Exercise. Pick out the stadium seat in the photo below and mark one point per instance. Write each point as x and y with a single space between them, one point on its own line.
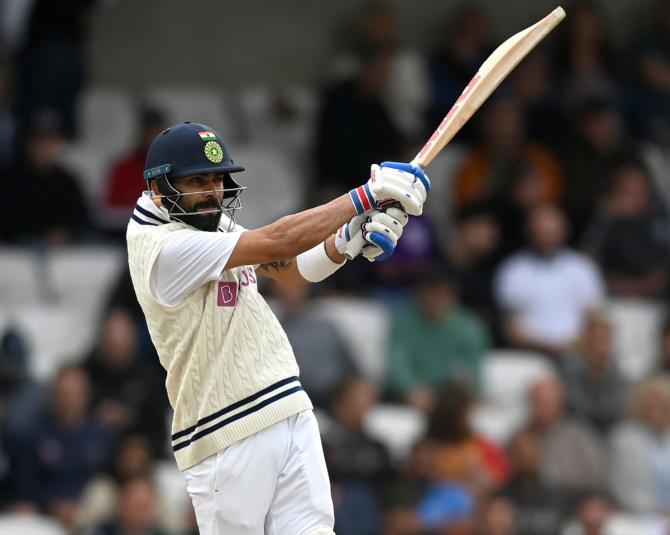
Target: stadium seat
172 485
627 524
56 335
398 427
23 524
21 281
506 377
108 124
292 131
273 185
84 275
90 169
348 315
636 326
196 104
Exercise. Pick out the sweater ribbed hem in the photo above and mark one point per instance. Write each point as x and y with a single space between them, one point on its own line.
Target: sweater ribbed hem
220 439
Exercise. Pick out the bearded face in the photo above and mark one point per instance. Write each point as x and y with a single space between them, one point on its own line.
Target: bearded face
207 220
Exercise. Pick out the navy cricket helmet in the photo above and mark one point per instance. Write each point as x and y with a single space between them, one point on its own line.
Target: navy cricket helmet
188 149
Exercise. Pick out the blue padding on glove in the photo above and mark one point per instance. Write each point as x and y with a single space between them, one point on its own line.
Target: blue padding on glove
409 168
386 245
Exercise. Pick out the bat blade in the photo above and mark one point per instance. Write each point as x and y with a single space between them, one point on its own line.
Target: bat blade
491 73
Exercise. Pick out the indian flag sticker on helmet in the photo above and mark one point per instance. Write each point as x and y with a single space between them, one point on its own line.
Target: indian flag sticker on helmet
207 136
214 152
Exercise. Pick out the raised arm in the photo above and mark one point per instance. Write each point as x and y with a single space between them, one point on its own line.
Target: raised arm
276 247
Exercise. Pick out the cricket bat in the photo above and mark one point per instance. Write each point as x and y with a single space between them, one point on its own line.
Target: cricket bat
493 71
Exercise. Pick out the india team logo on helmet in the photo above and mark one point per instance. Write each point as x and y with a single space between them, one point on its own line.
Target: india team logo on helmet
213 152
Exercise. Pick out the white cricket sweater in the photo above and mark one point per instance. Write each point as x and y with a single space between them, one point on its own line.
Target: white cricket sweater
231 371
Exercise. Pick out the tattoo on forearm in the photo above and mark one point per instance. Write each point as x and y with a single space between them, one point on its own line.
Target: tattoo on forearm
278 265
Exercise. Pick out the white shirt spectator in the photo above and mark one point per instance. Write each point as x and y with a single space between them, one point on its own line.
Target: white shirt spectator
549 296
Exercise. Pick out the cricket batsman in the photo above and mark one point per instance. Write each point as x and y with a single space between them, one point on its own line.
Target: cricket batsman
243 431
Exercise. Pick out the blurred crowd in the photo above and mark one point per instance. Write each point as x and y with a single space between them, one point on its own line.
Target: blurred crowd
552 204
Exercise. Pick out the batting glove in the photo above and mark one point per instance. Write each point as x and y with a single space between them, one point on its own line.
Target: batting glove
392 182
375 234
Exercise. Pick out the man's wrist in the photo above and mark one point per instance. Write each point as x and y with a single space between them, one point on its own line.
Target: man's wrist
331 251
316 265
362 199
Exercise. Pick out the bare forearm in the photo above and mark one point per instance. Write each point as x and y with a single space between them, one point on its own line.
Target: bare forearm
302 231
295 234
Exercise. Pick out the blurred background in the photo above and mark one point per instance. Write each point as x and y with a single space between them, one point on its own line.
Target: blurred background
515 375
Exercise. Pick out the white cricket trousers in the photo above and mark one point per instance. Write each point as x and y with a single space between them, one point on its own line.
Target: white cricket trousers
272 483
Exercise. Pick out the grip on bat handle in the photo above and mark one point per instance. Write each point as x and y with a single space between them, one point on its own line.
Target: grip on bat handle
358 239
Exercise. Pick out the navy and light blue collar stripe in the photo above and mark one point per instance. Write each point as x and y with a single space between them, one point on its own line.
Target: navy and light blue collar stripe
142 221
250 405
149 214
146 213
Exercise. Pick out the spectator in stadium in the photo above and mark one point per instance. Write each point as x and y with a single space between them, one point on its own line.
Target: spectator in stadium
421 504
133 458
322 354
535 83
591 513
434 340
354 121
586 58
472 250
497 516
62 450
595 388
124 181
489 168
136 511
512 206
125 391
598 145
462 455
359 466
454 60
407 91
419 247
21 397
50 59
547 290
630 237
639 461
39 182
540 508
573 457
651 64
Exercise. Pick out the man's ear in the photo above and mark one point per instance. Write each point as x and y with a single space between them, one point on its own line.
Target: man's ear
157 193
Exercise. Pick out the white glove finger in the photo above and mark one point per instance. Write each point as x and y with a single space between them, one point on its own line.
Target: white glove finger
408 199
354 246
391 222
408 180
417 190
398 214
370 252
375 226
383 238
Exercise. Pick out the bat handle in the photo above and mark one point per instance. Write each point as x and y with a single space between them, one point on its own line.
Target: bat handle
417 162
